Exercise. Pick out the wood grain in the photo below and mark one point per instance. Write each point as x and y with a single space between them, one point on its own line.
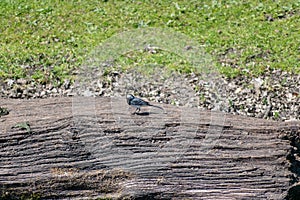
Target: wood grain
94 147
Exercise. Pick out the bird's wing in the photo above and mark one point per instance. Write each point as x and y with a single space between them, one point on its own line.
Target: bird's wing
139 102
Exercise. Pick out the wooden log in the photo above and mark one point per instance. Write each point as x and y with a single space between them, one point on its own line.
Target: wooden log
95 148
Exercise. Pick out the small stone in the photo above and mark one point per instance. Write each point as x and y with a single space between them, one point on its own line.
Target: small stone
238 90
22 81
54 90
25 92
10 82
43 93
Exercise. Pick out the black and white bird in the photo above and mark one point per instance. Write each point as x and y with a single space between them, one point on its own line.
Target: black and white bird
138 103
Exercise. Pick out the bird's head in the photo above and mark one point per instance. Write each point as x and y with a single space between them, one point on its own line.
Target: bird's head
129 97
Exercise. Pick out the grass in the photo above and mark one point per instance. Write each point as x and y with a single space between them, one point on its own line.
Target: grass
46 41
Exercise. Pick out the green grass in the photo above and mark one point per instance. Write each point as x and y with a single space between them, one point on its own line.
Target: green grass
47 40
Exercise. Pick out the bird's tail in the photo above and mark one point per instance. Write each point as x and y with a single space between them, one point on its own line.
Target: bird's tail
156 106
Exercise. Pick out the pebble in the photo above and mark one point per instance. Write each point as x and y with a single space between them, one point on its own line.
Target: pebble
43 93
54 90
21 81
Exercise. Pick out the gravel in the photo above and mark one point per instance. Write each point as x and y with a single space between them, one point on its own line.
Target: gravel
273 95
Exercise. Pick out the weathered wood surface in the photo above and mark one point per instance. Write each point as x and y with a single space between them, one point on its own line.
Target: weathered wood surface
88 148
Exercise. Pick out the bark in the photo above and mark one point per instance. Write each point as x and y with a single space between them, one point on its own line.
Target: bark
95 148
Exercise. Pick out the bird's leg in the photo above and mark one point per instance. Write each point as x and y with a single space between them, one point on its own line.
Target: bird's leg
136 110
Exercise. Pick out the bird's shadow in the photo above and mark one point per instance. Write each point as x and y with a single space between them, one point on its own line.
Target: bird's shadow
145 113
142 113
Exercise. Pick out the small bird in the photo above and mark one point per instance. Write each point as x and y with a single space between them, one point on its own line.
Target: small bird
138 103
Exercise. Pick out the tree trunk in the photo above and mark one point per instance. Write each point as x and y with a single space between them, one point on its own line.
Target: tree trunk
95 148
